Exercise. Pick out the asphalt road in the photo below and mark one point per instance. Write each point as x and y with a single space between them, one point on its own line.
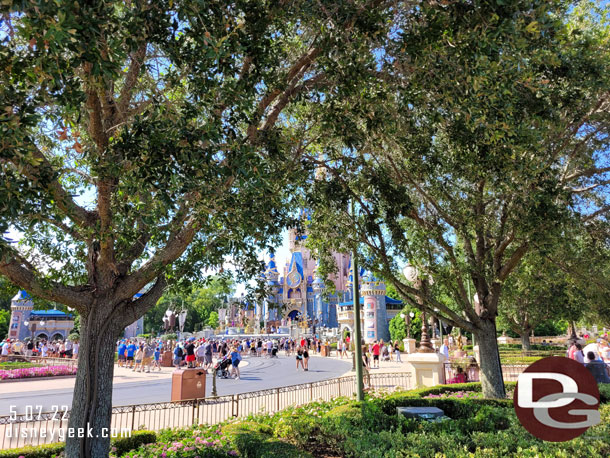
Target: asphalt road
259 374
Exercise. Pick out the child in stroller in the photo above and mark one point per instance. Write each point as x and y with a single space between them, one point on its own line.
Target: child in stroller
222 367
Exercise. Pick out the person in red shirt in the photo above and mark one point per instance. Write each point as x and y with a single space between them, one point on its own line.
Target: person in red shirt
376 351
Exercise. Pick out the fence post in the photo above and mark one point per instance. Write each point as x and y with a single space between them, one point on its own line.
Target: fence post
278 399
236 405
310 392
195 403
133 416
339 381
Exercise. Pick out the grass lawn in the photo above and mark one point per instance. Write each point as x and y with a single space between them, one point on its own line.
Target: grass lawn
17 365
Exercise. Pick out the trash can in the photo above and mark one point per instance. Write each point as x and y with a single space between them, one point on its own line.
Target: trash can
325 350
188 384
167 359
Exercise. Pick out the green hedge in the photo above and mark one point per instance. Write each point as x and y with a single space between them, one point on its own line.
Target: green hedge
40 451
121 444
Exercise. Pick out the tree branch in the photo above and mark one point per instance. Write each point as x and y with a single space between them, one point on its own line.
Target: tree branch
23 274
44 173
137 60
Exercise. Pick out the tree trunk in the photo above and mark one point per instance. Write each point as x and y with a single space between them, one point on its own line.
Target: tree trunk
525 341
92 401
492 382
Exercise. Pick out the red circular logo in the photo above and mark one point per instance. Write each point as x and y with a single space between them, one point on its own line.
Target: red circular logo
556 399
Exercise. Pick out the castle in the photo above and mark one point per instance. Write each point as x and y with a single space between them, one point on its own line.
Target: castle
298 294
38 324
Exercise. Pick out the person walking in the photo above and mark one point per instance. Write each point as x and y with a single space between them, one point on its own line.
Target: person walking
157 357
138 358
235 360
299 357
344 349
305 359
178 353
75 349
121 353
376 351
130 352
397 352
190 353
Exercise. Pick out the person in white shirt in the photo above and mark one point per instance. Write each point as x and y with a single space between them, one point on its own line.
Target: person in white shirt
44 349
444 350
5 348
69 347
75 349
199 353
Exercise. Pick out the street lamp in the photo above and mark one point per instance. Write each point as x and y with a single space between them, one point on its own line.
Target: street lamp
411 273
408 317
440 326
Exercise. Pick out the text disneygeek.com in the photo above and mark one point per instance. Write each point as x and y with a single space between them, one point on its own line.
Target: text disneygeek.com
24 425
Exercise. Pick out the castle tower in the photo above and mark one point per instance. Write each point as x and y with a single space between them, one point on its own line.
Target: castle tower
269 311
373 292
21 309
320 307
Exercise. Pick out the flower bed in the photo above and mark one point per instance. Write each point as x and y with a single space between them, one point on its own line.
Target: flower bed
40 371
456 395
202 441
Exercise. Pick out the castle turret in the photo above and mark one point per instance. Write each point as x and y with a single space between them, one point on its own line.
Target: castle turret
375 317
21 309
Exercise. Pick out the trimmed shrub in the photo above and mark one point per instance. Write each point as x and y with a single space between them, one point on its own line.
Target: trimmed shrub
138 438
121 445
40 451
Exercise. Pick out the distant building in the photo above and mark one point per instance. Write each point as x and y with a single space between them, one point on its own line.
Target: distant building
134 329
137 327
40 324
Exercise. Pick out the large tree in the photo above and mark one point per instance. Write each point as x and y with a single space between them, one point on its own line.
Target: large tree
142 142
487 131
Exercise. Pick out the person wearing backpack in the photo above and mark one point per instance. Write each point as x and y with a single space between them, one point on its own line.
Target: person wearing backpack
178 353
147 358
235 360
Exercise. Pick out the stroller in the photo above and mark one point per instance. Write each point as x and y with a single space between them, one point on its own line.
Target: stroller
274 352
222 367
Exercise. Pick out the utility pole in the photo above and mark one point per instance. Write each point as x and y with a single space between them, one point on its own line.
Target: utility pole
357 330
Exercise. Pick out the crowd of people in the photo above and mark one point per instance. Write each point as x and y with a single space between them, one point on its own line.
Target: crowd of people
595 356
142 355
41 347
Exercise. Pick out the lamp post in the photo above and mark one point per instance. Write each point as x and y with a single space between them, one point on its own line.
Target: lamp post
440 327
31 327
412 274
407 317
357 331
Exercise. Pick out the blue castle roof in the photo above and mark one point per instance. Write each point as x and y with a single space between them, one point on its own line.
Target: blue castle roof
22 295
49 313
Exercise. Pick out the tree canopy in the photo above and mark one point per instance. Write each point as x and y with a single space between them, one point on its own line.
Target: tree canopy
146 142
484 138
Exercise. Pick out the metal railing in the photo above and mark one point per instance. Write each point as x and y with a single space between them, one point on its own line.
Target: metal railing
510 372
25 429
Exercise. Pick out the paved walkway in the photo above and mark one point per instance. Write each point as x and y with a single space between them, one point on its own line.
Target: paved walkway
385 367
141 388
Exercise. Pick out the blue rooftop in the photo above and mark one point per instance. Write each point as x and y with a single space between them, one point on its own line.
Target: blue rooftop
49 313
